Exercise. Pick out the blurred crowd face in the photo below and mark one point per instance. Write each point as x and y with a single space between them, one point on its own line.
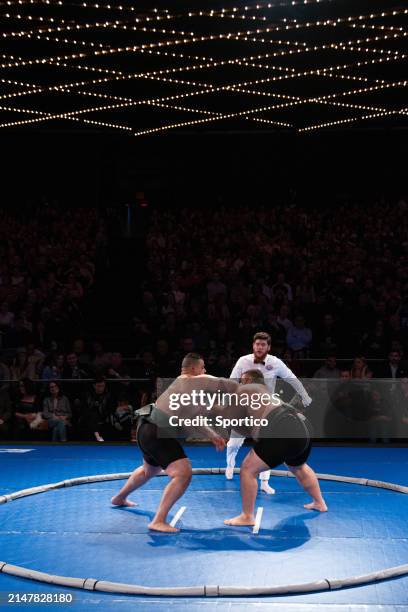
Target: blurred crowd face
100 387
331 363
394 358
116 360
187 345
72 360
54 389
359 363
79 346
147 358
162 348
97 348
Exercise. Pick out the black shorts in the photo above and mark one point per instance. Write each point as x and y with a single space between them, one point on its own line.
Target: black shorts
157 451
289 443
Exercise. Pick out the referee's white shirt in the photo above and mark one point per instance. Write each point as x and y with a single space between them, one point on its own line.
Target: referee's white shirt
271 368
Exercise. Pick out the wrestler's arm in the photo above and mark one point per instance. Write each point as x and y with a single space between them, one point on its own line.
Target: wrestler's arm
206 431
229 408
228 387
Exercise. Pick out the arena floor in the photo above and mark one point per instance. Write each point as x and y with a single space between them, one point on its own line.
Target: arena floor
76 532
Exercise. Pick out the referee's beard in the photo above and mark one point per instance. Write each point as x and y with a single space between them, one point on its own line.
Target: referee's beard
260 355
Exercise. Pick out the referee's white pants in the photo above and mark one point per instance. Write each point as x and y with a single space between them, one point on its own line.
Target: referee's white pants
233 446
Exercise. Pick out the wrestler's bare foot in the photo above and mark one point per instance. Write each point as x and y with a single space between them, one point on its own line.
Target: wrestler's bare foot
120 501
242 519
163 527
316 506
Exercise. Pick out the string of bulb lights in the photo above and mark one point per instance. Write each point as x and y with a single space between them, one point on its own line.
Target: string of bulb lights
58 29
240 35
158 102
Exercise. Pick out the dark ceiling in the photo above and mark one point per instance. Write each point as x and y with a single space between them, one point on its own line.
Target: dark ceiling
196 67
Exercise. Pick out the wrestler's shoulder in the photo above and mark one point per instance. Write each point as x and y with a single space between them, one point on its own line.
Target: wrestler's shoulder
206 376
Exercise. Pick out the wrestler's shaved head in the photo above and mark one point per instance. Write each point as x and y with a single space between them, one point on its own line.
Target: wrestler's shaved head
191 359
193 363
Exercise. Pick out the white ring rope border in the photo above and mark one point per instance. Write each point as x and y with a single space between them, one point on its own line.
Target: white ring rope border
92 584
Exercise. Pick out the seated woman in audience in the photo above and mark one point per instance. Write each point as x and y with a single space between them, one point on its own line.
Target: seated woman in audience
57 411
26 409
360 369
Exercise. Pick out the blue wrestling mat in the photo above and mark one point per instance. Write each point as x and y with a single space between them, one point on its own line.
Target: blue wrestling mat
76 532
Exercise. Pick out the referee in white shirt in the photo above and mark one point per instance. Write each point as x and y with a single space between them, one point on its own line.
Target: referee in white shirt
271 368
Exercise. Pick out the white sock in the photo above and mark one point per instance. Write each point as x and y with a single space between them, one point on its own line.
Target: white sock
266 488
232 452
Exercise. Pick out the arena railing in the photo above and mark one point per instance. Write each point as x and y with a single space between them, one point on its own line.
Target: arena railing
342 409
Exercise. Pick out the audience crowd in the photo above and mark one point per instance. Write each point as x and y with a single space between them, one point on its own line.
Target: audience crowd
47 269
330 287
320 282
70 397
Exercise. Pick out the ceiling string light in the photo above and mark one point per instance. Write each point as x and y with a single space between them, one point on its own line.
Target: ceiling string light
211 63
288 24
337 46
236 87
205 120
319 126
81 120
220 116
297 23
242 89
117 24
342 46
157 17
49 116
115 75
329 99
59 31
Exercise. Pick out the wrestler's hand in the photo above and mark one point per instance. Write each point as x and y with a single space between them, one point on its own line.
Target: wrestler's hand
219 443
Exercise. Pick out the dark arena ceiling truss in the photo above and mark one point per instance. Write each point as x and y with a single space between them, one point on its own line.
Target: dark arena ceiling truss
167 67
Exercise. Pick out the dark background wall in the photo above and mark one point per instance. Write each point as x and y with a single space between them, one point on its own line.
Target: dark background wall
100 168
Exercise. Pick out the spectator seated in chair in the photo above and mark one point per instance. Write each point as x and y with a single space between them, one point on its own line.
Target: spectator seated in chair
57 412
121 419
27 411
96 420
